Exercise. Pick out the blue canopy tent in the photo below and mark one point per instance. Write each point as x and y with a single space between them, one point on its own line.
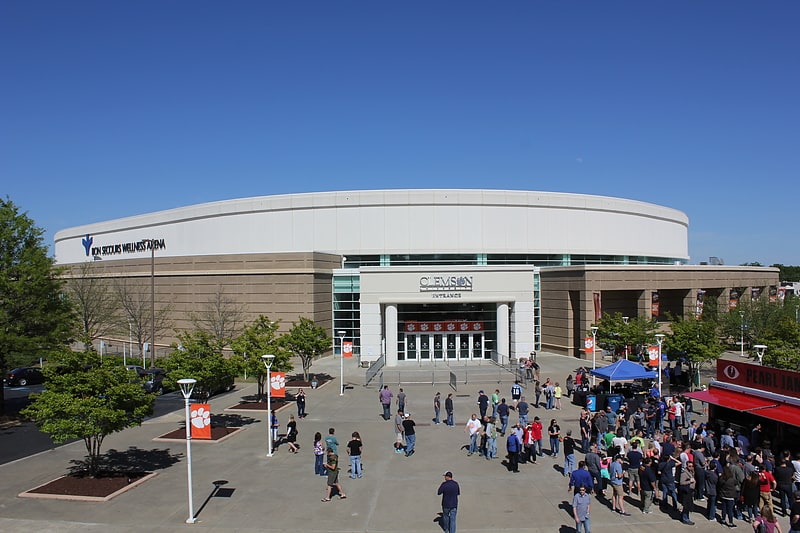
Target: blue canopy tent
623 370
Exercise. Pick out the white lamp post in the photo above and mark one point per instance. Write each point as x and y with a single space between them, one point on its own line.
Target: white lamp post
187 386
760 348
659 340
741 344
268 359
594 351
341 334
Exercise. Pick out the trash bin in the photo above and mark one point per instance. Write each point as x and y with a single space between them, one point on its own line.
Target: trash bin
614 401
591 402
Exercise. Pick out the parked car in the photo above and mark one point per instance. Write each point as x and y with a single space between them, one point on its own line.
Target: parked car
140 371
20 377
220 384
154 380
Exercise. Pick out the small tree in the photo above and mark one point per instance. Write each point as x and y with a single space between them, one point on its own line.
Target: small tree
260 338
221 317
613 333
198 357
95 303
307 341
134 298
34 316
696 341
87 400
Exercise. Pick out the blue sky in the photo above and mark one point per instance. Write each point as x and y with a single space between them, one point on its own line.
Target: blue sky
111 109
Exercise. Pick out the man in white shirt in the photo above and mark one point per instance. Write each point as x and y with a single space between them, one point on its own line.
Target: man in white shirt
473 428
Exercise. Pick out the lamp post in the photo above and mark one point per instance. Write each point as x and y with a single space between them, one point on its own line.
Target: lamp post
341 334
594 351
151 243
187 386
268 359
659 340
741 344
760 348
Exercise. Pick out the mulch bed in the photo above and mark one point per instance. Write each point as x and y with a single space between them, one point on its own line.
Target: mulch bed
83 486
217 433
278 403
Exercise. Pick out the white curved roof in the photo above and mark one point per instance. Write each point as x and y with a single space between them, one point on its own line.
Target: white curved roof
416 221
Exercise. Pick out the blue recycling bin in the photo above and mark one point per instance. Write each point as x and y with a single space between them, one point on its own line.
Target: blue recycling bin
614 401
591 402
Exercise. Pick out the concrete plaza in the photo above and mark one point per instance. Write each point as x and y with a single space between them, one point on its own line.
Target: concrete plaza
281 493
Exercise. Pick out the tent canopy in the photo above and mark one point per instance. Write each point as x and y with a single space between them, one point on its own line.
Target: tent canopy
623 370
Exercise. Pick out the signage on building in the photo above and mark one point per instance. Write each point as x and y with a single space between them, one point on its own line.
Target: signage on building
454 326
445 284
755 376
121 248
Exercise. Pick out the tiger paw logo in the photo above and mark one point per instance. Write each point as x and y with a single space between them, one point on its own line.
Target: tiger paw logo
277 382
201 418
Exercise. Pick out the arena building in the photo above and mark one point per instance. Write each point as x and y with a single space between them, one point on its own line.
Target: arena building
418 276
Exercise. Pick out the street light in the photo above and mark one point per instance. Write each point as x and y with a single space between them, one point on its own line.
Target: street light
187 386
268 359
741 344
760 348
341 334
659 340
594 351
151 243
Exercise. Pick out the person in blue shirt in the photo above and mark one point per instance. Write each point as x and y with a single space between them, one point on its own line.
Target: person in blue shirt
513 447
580 478
450 491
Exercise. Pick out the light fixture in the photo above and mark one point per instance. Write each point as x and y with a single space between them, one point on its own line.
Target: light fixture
187 386
268 360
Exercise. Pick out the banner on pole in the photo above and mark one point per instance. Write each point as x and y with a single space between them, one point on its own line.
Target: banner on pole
277 382
347 349
200 417
588 344
652 355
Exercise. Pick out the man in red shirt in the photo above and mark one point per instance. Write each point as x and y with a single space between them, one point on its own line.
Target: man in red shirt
536 434
766 484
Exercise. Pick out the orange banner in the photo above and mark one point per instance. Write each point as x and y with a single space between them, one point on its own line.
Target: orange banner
277 383
588 344
200 416
652 354
347 349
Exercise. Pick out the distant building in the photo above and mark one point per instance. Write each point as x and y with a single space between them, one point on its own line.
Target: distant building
421 275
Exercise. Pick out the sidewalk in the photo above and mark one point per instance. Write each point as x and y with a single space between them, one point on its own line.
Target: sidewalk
282 494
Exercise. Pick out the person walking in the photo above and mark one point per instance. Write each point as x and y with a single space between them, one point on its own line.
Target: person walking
410 434
274 425
399 435
332 465
648 482
615 471
516 392
536 432
557 393
491 439
513 447
448 408
401 400
449 491
495 402
768 520
437 407
354 451
300 399
554 431
502 412
472 428
291 434
385 397
686 491
522 410
581 504
483 403
569 453
319 455
331 441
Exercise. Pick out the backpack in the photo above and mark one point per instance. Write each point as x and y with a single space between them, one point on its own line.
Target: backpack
761 528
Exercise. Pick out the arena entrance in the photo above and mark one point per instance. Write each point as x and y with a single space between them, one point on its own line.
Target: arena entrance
461 332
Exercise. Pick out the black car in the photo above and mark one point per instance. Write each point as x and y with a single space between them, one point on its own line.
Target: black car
20 377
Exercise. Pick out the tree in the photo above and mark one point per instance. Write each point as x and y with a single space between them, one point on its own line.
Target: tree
788 273
34 316
95 303
198 357
614 334
307 341
87 400
134 299
260 338
695 341
221 317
